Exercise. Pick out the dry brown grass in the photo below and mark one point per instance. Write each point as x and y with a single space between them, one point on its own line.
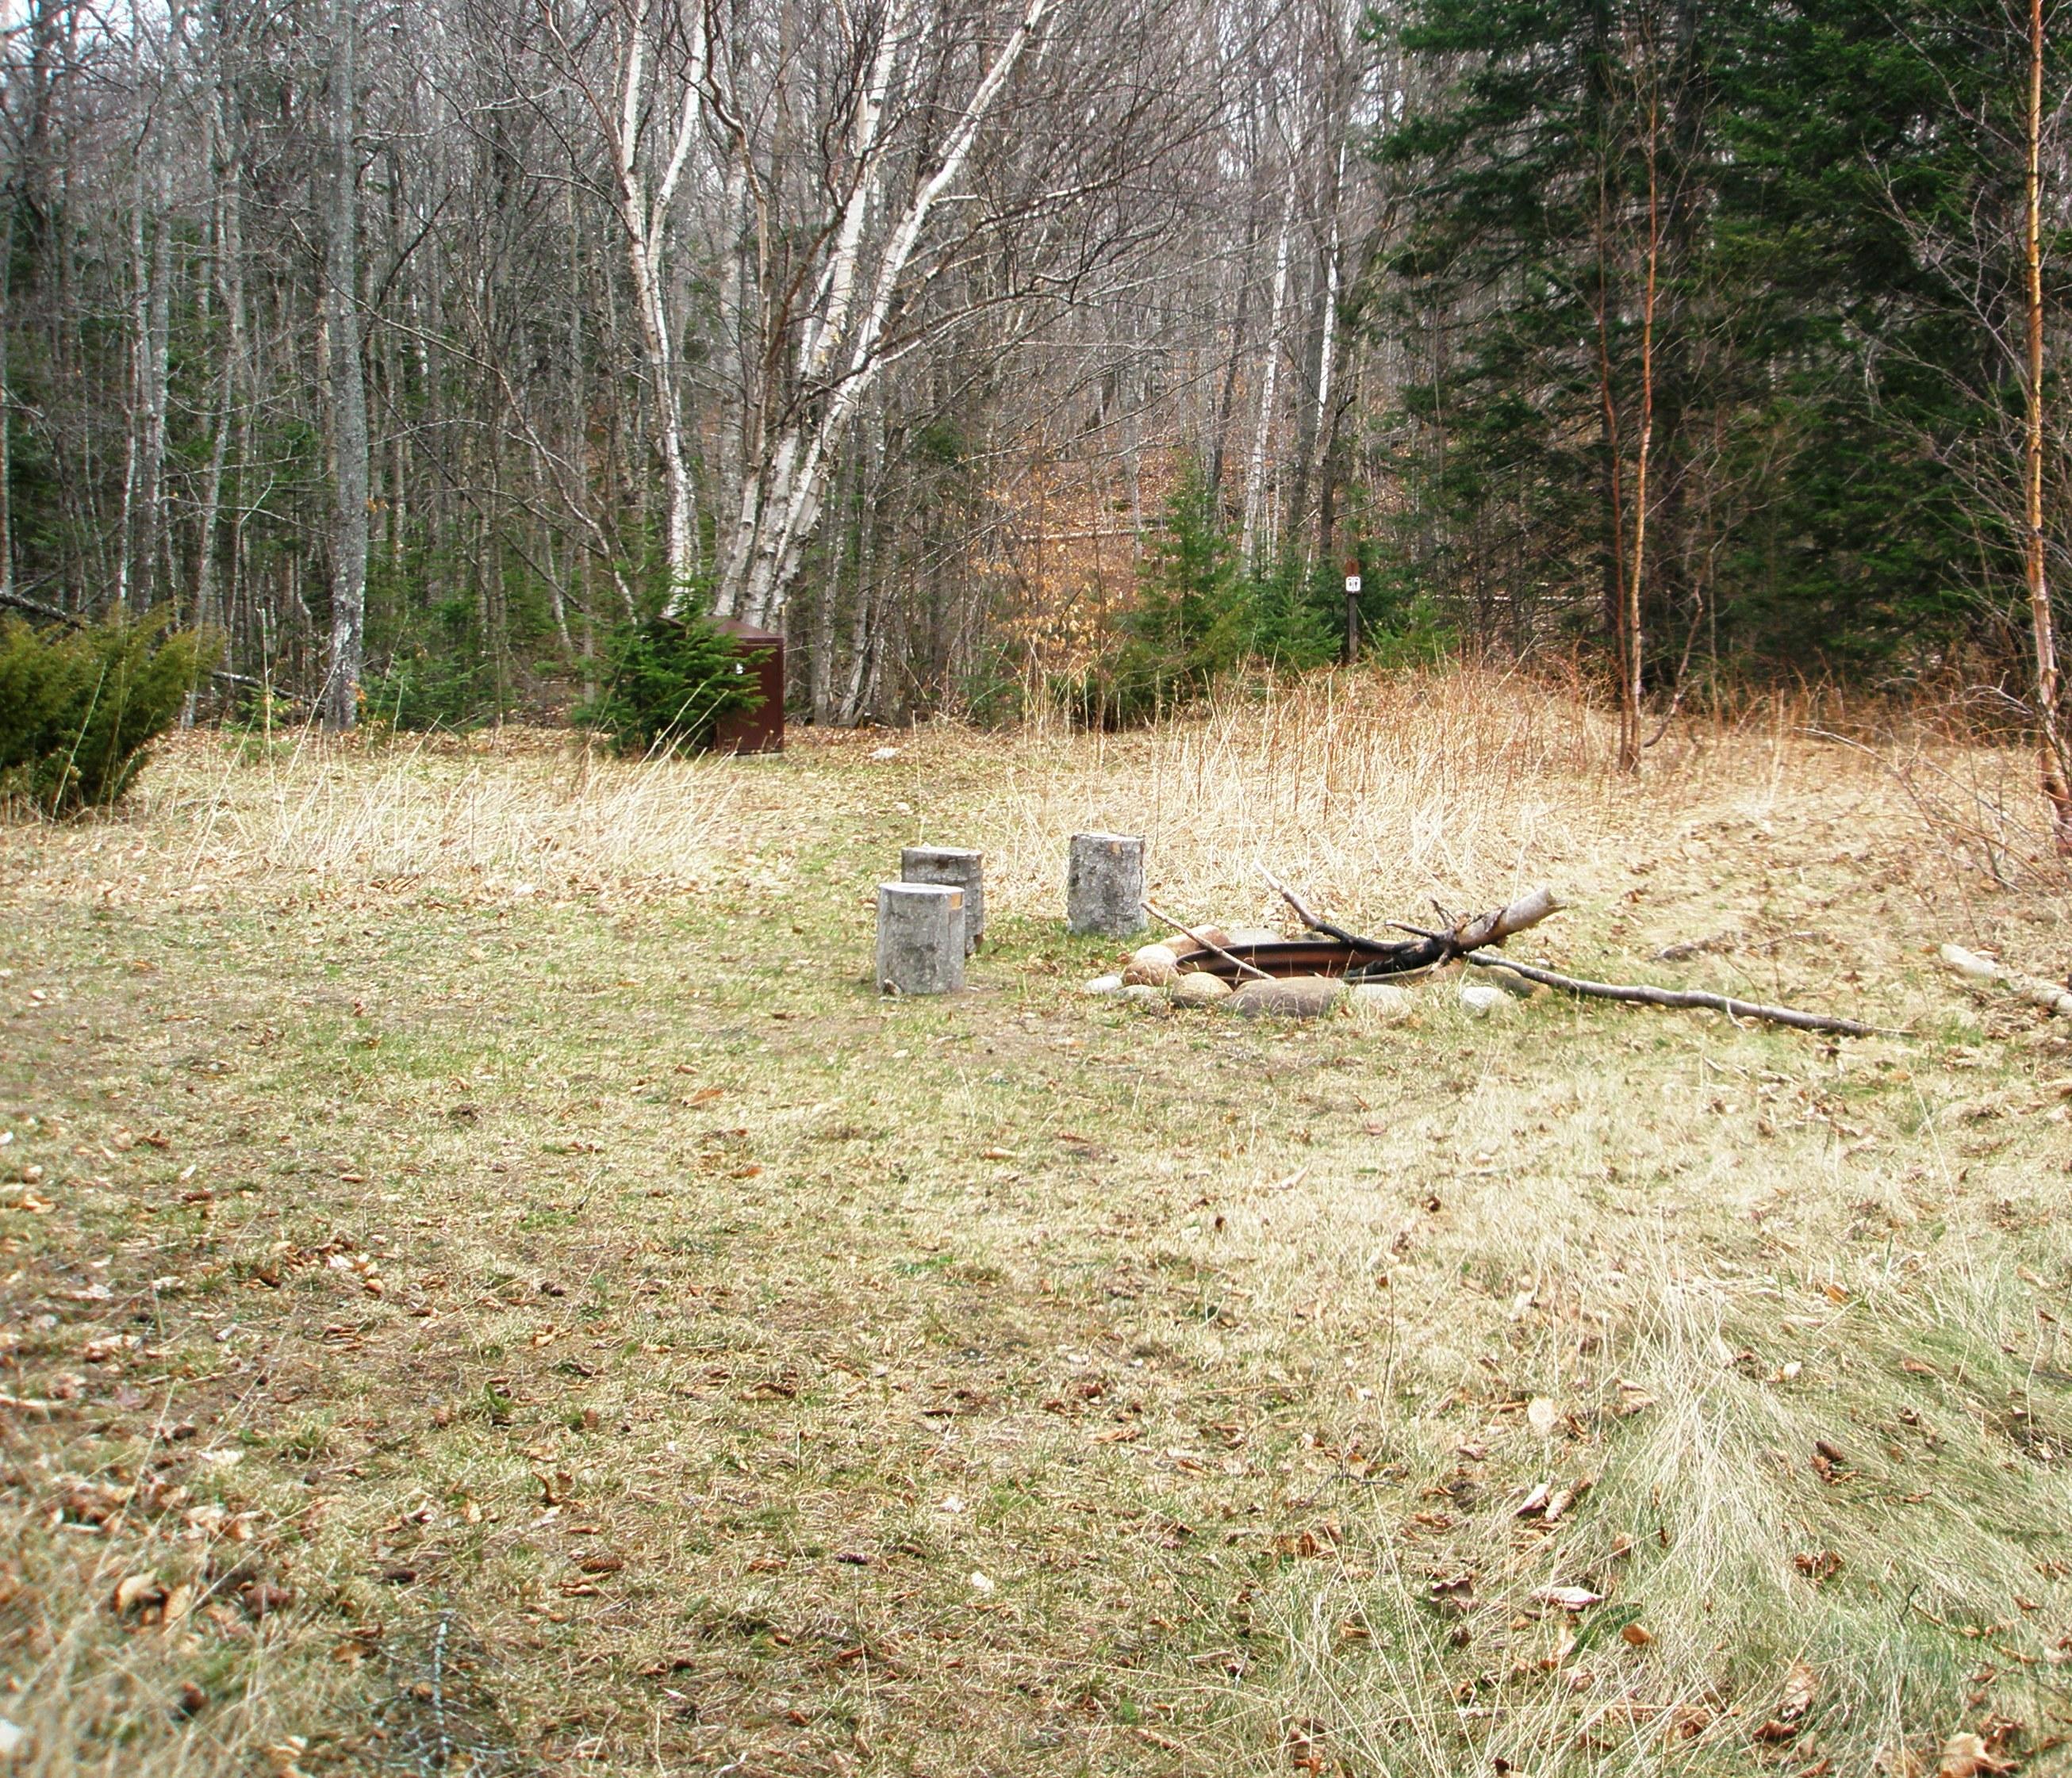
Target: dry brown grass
641 1350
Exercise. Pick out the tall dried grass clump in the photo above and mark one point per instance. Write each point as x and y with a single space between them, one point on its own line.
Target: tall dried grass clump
1372 791
533 820
511 817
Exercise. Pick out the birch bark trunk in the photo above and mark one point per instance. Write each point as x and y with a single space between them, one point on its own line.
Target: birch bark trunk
842 348
1254 479
644 204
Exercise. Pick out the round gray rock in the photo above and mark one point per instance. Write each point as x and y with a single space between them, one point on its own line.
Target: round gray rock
1295 997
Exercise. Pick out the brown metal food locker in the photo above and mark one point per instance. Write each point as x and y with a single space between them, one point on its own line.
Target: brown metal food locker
760 730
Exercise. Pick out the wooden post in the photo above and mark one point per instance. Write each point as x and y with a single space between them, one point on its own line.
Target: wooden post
920 938
1105 885
958 868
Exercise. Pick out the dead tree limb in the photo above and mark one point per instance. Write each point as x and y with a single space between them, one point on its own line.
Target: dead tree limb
21 601
1378 958
1645 994
1310 922
1243 967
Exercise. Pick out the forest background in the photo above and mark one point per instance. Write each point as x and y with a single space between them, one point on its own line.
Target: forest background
1072 350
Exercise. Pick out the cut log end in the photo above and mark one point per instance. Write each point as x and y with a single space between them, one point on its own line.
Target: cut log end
1105 885
956 868
920 938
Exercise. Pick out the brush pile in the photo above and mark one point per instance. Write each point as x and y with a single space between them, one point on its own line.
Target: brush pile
1325 967
1263 972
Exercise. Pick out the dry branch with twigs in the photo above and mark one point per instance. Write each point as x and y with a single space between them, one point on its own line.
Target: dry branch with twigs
1468 941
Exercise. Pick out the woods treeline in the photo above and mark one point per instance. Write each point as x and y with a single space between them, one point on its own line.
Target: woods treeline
1002 348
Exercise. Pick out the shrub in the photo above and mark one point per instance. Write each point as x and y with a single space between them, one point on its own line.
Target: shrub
79 709
424 690
668 683
1203 613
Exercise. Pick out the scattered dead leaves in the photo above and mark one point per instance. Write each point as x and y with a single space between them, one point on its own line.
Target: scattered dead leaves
1802 1685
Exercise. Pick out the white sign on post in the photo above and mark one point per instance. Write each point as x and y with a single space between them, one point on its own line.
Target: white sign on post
1352 583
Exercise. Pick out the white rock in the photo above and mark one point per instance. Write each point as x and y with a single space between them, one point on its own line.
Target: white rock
1153 965
1143 994
1382 1003
14 1738
1969 962
1198 987
1103 984
1479 1000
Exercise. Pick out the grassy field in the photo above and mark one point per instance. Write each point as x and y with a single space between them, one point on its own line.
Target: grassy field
489 1288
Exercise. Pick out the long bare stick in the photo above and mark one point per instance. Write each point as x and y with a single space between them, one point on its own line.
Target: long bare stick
1643 994
1188 932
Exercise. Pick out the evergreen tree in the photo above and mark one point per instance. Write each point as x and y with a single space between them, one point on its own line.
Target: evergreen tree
1810 375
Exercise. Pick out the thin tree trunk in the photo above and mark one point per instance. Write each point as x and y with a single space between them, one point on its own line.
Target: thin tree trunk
154 548
348 388
1630 634
6 398
1324 433
230 290
1229 396
140 328
1254 480
2053 741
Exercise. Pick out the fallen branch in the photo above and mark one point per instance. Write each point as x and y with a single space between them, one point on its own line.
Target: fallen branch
1493 929
1238 962
2052 996
1311 922
1645 994
50 614
267 686
1432 948
1469 939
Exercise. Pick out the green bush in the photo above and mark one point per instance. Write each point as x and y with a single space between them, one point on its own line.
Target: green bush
1204 615
424 690
78 708
668 683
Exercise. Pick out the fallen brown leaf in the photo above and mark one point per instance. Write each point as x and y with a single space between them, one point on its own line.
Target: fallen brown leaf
1968 1756
134 1592
1570 1599
1801 1685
